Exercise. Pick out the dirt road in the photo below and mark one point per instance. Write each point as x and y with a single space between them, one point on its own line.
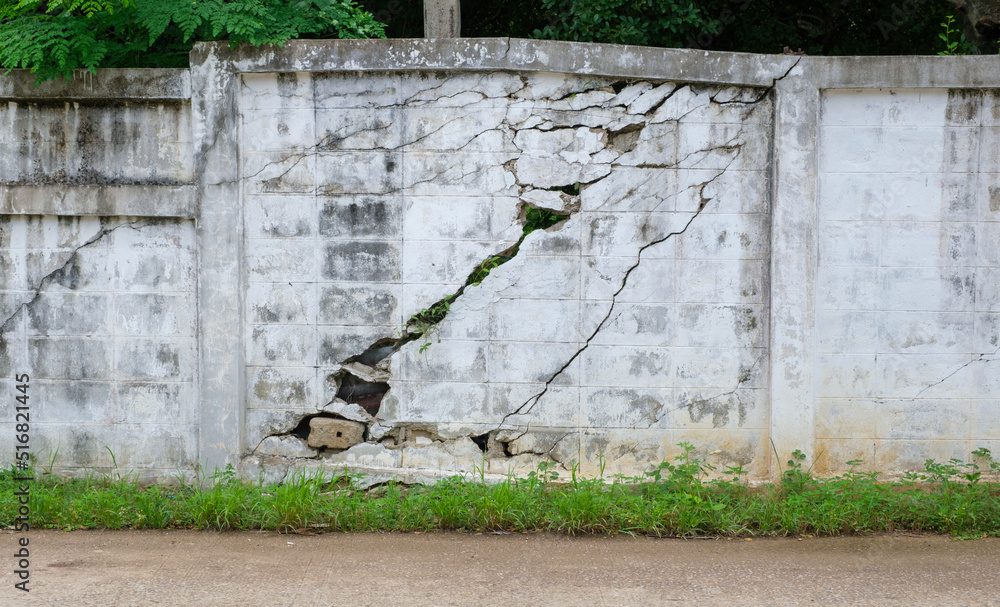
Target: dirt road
189 568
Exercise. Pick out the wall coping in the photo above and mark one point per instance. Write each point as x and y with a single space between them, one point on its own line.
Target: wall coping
159 84
512 54
501 54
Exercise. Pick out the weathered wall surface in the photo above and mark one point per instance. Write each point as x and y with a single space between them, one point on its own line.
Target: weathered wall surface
279 259
907 300
637 322
98 282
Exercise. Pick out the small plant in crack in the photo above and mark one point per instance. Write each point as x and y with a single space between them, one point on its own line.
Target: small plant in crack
483 269
424 323
541 219
534 219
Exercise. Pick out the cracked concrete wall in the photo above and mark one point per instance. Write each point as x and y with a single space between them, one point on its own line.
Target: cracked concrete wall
639 322
325 256
98 272
97 310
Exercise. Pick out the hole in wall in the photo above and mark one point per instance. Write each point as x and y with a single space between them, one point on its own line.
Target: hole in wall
377 352
366 394
482 441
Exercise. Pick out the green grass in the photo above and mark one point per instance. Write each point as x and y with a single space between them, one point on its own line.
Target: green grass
674 499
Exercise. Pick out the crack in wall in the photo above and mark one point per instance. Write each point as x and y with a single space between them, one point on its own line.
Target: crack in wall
505 126
730 146
65 267
363 378
356 383
699 407
984 357
534 399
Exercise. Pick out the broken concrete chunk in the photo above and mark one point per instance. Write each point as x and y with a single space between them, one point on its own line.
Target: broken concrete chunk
347 410
285 446
650 98
335 433
367 373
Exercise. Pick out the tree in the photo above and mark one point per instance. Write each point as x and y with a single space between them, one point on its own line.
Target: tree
817 27
982 23
56 37
642 22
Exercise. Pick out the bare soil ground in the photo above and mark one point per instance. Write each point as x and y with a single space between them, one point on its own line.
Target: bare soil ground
123 568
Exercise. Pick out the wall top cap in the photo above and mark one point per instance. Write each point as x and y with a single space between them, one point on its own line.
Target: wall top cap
499 54
622 61
160 84
517 55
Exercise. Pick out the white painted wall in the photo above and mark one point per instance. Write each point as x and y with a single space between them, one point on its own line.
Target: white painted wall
906 298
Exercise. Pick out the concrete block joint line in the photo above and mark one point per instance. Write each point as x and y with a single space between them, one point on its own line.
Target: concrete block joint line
416 258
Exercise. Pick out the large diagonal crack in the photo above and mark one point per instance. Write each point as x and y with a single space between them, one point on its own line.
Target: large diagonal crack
728 147
363 378
361 369
526 407
48 278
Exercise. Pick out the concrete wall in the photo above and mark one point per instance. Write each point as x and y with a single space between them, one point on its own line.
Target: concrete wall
98 281
906 286
223 265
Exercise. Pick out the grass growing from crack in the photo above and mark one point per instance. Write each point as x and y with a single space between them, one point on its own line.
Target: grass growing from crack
675 498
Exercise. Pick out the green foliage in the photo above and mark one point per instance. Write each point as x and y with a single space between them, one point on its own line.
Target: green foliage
57 37
483 269
643 22
534 219
954 39
492 19
675 498
817 27
424 323
542 219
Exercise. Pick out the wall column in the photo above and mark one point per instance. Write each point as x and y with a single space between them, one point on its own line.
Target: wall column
214 85
793 266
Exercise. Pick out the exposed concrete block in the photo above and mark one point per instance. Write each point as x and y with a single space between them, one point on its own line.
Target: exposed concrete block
360 217
335 433
272 387
347 303
285 446
373 261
